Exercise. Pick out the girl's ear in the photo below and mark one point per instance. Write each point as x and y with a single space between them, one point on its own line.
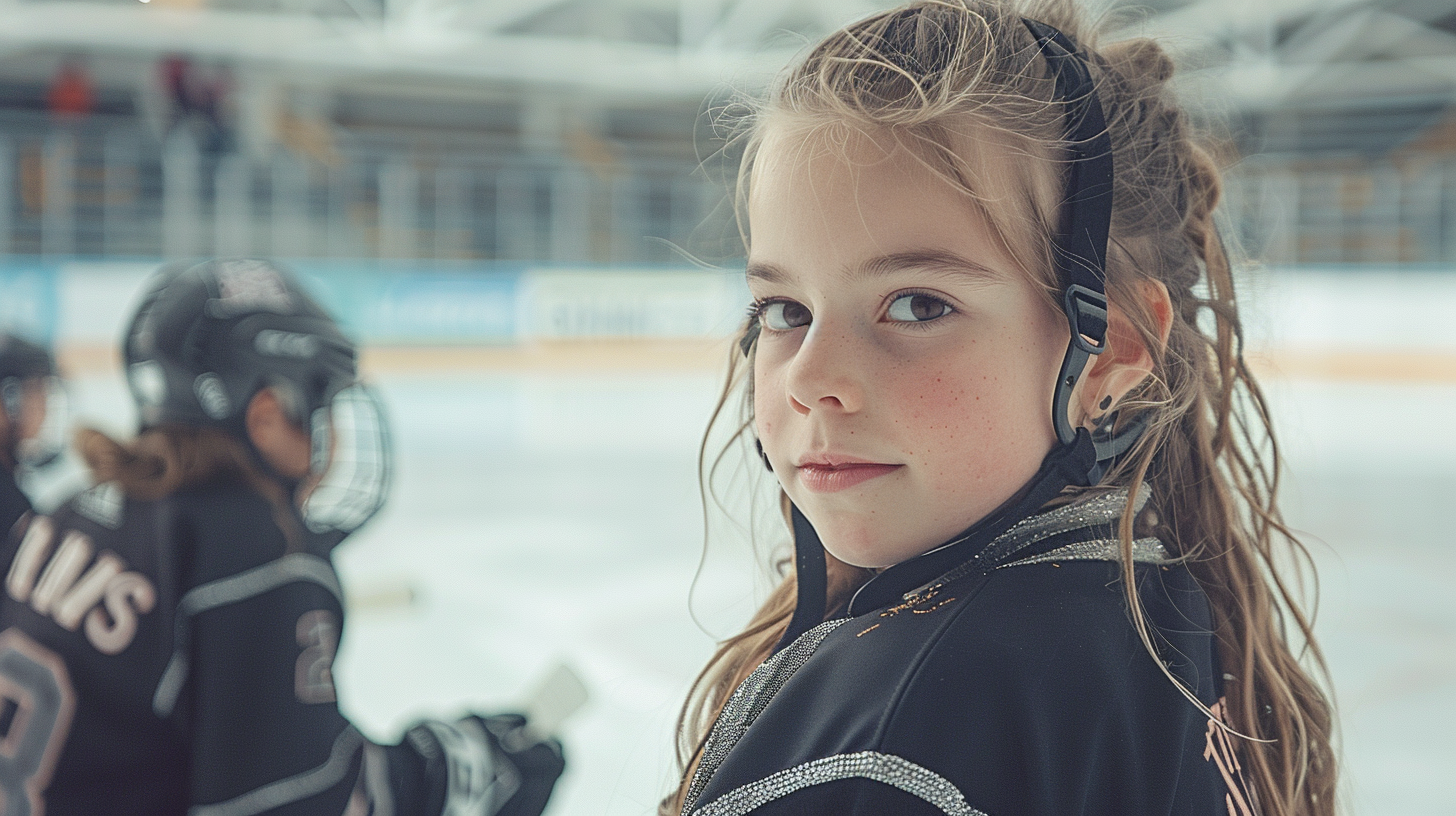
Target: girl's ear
1126 362
283 445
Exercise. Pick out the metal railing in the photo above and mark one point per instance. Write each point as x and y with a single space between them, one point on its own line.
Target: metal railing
105 188
110 190
1345 210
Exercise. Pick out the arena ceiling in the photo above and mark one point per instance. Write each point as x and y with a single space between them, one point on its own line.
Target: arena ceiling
1253 55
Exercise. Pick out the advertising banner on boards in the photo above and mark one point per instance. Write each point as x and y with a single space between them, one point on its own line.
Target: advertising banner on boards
30 303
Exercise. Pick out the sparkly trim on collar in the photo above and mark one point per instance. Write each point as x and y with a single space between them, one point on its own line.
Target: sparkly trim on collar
1099 511
1144 551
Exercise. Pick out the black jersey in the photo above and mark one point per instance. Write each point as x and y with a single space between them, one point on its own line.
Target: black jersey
175 656
1016 687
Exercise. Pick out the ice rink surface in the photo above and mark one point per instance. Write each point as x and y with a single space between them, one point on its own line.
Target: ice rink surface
542 517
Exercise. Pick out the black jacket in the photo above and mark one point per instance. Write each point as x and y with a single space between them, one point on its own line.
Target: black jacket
1016 688
176 657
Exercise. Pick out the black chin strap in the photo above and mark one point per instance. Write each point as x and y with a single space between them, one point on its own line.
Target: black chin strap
1082 456
811 576
1081 245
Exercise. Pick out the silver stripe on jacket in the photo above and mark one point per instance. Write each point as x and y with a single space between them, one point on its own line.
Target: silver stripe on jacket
898 772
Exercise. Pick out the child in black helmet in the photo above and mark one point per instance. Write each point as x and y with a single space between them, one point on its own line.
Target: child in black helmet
167 637
992 364
32 421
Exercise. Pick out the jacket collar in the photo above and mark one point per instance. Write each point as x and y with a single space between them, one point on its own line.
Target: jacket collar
1081 520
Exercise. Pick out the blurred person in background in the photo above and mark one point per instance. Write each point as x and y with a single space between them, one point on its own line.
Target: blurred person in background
32 420
169 634
72 95
198 98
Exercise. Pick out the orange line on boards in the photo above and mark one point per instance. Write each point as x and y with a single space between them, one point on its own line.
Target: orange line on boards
610 354
1357 366
707 355
557 355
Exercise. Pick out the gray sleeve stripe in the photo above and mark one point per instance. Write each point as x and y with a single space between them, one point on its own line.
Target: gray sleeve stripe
294 788
889 769
234 588
230 590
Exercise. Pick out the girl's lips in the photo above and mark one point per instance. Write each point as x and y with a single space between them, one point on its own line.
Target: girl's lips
823 478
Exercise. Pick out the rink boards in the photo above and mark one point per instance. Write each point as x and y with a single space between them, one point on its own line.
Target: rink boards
1331 323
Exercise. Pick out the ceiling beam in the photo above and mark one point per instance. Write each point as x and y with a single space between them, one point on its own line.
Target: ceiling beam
1215 19
493 17
1268 86
350 48
744 23
423 47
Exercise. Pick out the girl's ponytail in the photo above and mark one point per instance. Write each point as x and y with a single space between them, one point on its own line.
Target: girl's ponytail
169 458
1211 457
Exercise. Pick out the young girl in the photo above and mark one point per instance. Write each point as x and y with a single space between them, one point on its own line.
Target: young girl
993 363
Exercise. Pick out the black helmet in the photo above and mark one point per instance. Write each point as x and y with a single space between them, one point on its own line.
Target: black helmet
22 359
207 337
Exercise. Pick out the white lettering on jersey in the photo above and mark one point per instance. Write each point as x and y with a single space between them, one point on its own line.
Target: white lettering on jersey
39 702
128 596
88 591
61 573
313 674
34 549
106 596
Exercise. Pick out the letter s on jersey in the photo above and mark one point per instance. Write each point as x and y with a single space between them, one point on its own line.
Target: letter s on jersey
128 596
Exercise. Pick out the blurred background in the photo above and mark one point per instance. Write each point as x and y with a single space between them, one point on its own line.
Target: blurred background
518 208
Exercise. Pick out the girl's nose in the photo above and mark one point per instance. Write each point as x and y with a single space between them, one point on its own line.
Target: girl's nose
823 374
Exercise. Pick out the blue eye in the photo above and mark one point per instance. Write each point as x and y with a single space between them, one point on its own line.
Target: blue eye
913 308
783 315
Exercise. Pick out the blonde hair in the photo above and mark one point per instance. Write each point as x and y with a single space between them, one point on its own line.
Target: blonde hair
168 458
931 73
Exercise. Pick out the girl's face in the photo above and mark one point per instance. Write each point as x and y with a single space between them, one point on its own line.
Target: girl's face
904 374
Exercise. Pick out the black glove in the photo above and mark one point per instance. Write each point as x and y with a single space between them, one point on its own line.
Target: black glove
538 763
491 766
